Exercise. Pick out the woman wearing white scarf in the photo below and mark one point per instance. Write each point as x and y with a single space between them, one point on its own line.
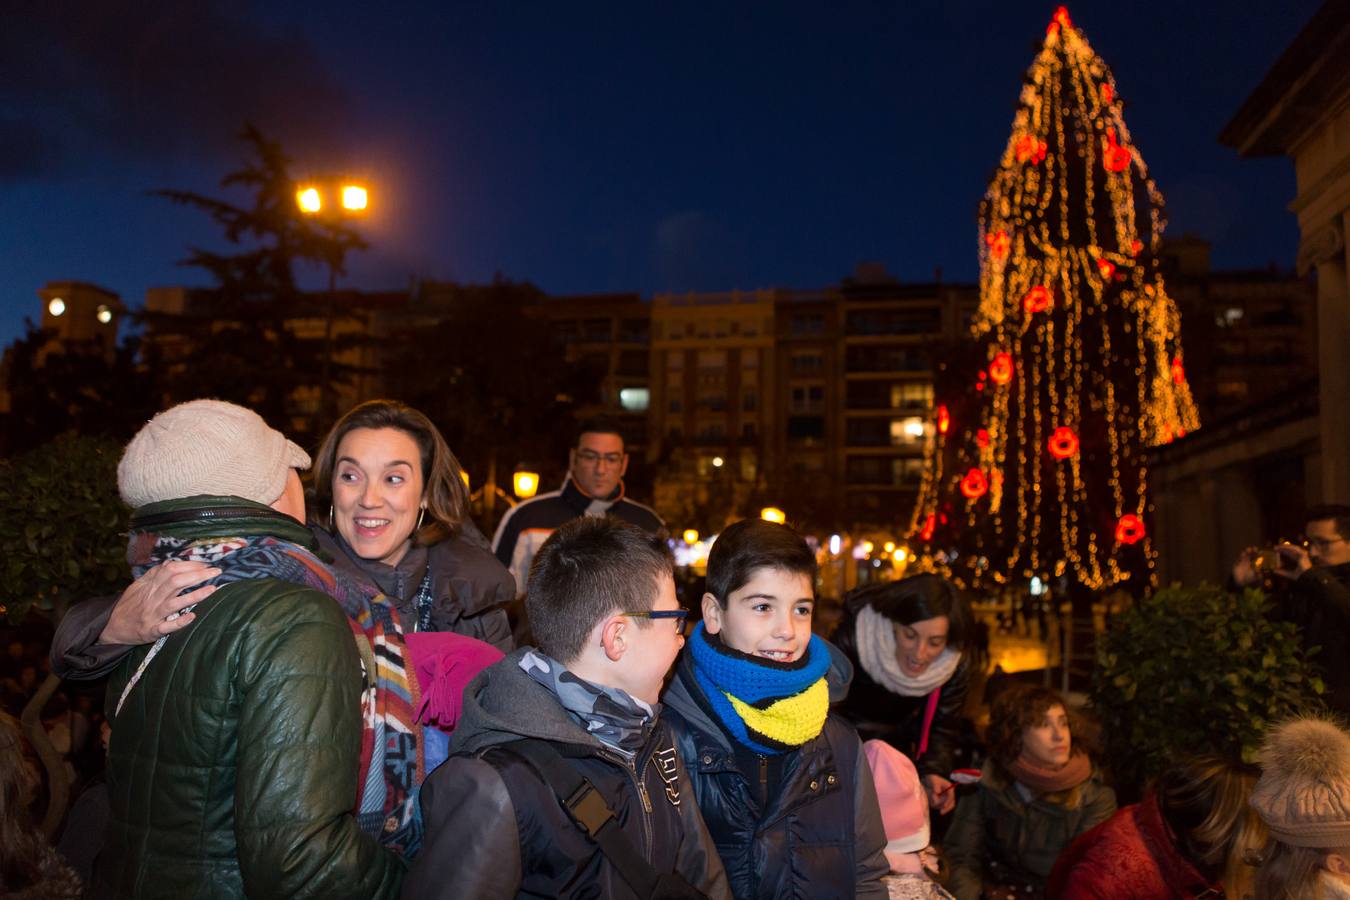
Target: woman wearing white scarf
907 641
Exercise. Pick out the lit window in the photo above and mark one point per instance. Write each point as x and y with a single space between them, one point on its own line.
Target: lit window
634 399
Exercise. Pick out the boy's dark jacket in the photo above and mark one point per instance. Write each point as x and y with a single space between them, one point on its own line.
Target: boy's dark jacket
821 836
495 829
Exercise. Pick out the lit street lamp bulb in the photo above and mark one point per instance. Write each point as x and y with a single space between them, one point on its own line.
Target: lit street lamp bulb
309 200
690 536
773 514
354 197
104 314
717 462
525 484
57 306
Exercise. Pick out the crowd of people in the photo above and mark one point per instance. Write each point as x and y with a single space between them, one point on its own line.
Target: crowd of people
327 697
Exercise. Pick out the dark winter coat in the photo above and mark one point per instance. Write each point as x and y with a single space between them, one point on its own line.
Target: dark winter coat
495 829
999 836
878 713
469 588
232 767
1131 854
818 835
1319 603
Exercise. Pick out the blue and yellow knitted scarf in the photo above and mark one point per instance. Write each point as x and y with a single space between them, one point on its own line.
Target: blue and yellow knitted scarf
768 706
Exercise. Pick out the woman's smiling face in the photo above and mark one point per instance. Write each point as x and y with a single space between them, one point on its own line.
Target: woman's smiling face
377 492
919 643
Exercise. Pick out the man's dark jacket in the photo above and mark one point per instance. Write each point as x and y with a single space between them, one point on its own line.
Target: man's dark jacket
495 829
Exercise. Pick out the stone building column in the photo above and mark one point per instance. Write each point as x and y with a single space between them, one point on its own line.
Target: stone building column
1326 250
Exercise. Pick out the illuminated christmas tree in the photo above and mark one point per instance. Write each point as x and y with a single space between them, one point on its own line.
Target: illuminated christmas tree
1036 466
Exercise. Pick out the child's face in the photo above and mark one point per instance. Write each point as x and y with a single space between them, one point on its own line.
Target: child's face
651 646
769 616
1048 743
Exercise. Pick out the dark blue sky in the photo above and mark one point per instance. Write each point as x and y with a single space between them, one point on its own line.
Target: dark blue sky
598 147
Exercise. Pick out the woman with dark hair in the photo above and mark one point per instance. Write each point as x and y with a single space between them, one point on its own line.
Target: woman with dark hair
390 506
908 643
1039 791
1192 836
29 868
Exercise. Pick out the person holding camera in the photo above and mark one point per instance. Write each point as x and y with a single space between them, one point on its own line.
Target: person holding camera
1317 598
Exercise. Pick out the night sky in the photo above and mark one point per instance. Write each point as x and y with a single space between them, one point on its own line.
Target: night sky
598 147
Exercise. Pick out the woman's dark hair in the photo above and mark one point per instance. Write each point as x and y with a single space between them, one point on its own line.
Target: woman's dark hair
443 487
20 847
917 599
1203 800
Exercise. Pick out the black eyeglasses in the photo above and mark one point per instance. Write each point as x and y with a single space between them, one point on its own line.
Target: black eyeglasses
681 617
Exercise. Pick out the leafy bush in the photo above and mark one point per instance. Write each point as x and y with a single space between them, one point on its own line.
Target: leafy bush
1195 671
60 526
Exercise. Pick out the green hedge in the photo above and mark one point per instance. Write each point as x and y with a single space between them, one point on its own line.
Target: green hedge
61 527
1196 670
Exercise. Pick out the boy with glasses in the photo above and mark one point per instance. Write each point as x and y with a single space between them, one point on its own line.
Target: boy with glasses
563 781
782 782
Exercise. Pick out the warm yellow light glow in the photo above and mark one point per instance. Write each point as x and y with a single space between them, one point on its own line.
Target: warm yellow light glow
104 314
773 514
354 197
464 474
691 536
309 200
868 547
525 484
717 462
888 546
900 555
57 306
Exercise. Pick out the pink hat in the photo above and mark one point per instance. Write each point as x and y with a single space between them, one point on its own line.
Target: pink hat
904 806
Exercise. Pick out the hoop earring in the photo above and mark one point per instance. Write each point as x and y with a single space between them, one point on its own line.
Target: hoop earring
331 518
420 516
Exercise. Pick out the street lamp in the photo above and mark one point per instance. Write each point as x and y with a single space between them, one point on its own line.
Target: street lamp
354 200
773 514
525 483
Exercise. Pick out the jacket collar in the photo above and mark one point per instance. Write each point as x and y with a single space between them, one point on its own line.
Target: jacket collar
218 516
579 500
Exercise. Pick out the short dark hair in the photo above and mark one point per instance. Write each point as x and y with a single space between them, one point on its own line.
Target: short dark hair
599 425
917 599
1337 512
590 568
753 544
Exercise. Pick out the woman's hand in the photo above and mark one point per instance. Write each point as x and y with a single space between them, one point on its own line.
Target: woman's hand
152 605
941 793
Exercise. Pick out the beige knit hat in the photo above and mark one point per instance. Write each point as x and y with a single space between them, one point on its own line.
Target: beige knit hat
207 447
1303 795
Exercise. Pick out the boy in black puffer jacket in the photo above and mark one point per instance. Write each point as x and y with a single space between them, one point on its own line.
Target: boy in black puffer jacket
783 783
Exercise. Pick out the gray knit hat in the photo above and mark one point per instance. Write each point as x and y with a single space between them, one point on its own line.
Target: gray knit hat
1303 795
207 447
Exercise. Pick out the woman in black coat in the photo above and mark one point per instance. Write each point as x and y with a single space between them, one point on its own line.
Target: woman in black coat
907 641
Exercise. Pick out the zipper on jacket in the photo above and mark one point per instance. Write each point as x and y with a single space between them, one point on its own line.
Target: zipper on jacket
631 769
763 782
204 515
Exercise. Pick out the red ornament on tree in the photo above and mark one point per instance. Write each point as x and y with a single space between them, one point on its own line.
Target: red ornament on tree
1116 157
1178 372
926 532
1107 268
1038 299
1001 368
1130 529
1030 148
998 244
1135 246
1107 93
982 438
974 484
1063 443
944 420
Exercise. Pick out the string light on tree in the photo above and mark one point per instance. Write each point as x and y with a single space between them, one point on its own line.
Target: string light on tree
1083 372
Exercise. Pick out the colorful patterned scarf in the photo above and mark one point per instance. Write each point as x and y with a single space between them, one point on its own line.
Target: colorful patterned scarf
392 761
616 718
768 706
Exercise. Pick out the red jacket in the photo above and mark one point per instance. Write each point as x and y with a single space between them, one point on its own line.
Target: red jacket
1132 854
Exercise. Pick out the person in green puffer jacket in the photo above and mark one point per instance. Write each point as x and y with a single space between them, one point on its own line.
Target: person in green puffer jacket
236 742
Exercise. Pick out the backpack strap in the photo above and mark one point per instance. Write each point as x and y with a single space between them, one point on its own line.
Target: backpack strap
589 809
